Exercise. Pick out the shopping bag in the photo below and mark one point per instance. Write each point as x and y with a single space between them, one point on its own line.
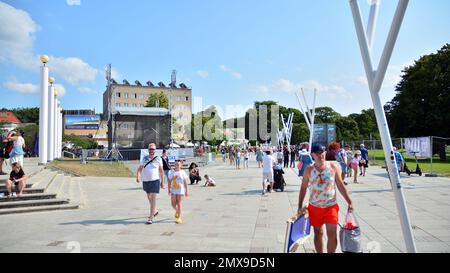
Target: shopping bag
350 235
298 231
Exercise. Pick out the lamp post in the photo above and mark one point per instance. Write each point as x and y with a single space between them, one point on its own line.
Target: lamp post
43 113
55 125
51 121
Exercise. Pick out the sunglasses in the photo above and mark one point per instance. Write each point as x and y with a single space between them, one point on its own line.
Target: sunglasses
151 149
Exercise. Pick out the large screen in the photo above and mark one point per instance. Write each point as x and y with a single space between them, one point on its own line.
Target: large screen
82 122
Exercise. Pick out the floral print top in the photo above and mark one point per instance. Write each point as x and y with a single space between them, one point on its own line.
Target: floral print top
322 187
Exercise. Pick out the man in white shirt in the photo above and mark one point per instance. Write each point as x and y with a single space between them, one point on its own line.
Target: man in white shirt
268 164
152 178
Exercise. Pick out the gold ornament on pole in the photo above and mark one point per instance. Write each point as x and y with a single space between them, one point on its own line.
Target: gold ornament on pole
44 59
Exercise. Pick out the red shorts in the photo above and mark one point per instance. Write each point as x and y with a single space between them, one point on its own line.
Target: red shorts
320 216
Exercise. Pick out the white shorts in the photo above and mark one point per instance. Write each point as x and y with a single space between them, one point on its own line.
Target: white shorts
268 176
17 159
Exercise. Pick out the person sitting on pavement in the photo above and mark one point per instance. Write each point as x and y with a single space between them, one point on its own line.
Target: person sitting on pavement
209 182
17 179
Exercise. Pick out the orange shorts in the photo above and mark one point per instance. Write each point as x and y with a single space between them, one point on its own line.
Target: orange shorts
320 216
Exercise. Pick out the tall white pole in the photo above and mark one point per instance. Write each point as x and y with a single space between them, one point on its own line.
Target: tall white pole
43 113
375 79
56 136
373 18
60 131
51 122
311 133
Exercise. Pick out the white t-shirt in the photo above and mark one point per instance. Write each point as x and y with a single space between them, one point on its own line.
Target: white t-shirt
151 172
268 162
177 178
211 181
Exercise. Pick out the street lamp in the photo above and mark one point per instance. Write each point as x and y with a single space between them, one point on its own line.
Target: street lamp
43 113
51 120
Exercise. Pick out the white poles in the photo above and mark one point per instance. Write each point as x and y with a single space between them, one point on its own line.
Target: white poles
375 80
286 133
43 113
310 121
55 127
59 132
51 121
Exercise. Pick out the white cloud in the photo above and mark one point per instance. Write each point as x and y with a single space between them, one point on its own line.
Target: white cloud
224 68
26 88
73 70
73 2
287 86
17 37
233 73
60 89
236 75
115 74
86 90
203 73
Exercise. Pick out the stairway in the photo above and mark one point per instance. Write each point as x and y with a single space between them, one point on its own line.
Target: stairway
45 190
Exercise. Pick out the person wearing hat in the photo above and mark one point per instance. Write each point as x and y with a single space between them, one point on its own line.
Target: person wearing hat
364 163
323 178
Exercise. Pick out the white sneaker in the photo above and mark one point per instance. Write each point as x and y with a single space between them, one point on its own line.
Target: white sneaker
272 191
2 194
263 192
14 194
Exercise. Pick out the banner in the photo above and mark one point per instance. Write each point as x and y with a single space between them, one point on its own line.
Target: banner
82 122
419 146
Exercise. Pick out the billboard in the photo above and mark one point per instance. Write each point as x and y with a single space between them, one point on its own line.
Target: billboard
324 133
88 122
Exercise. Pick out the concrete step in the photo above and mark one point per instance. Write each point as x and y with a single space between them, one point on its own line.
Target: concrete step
32 203
3 187
55 184
31 190
64 190
27 197
76 192
45 178
37 209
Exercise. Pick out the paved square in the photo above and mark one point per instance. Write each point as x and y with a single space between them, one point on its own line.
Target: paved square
232 217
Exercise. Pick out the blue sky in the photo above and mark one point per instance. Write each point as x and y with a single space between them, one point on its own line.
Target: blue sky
230 52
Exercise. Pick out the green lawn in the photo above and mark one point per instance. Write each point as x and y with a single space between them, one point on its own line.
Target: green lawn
93 168
442 168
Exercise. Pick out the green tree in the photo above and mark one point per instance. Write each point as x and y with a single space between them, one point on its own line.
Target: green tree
326 115
346 129
84 143
421 104
156 98
300 133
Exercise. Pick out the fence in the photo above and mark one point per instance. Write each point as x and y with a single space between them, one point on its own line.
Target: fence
438 146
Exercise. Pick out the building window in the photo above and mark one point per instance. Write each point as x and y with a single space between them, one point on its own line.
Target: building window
186 99
142 96
185 107
126 95
117 94
125 104
125 126
135 95
179 98
134 105
117 104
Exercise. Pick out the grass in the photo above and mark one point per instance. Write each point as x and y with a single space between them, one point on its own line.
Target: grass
93 168
439 167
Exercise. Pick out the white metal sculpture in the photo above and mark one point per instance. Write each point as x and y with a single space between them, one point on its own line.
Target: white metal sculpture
308 115
285 134
375 79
